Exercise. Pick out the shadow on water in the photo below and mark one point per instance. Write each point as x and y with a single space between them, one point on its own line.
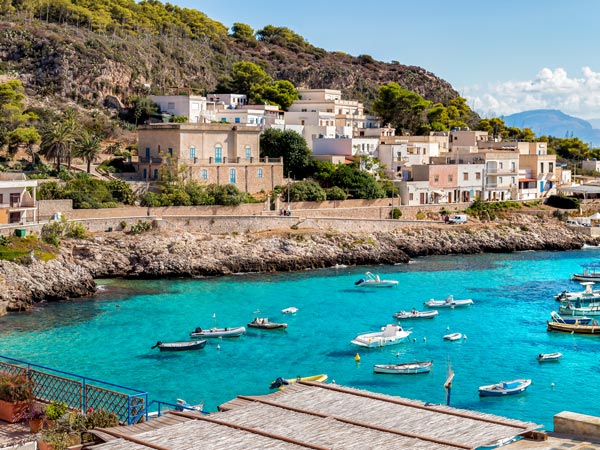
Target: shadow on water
159 356
342 354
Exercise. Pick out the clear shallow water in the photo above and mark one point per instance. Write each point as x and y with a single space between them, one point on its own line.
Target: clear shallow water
109 337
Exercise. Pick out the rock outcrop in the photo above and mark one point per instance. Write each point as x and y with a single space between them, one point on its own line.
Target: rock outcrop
161 254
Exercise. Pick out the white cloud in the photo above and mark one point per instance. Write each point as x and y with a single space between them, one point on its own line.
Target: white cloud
550 89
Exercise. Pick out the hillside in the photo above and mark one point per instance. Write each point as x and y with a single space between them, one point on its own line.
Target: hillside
552 122
60 60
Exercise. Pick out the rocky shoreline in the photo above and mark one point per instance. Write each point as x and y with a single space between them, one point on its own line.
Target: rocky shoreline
158 254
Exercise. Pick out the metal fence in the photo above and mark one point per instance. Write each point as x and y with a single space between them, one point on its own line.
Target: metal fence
79 392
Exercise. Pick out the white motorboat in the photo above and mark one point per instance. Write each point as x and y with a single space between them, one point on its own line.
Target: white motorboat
587 295
290 310
448 302
391 334
414 314
591 272
218 332
373 281
404 368
546 357
453 336
512 387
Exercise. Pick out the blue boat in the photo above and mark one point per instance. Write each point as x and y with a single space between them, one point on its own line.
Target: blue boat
504 388
573 320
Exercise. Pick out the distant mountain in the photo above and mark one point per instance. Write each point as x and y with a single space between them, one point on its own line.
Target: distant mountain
552 122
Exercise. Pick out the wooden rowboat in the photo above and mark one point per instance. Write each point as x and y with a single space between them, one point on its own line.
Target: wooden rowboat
405 368
594 328
281 383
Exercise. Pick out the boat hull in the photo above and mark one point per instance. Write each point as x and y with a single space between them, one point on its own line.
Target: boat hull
580 277
453 337
404 369
549 357
448 304
404 315
576 329
181 346
505 388
218 332
268 326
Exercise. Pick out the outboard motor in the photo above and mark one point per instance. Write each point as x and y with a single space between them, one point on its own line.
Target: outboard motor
361 281
278 383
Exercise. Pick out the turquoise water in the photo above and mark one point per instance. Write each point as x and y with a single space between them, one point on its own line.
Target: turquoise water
109 337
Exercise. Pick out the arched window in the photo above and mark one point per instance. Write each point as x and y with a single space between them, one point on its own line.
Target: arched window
192 152
204 174
218 154
248 152
232 176
259 174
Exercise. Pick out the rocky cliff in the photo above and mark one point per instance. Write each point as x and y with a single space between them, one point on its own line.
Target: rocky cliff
156 255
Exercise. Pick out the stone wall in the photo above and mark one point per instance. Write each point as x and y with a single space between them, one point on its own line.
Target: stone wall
47 208
575 424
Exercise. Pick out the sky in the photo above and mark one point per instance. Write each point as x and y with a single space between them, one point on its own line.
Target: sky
503 56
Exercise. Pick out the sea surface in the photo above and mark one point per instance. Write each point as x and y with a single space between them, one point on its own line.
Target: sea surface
108 337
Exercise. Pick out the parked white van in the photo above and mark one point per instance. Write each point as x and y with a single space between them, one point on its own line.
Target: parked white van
458 218
572 223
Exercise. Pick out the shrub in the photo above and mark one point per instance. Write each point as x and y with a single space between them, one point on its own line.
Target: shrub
395 213
15 388
56 410
140 227
51 233
100 418
75 230
336 193
123 224
563 202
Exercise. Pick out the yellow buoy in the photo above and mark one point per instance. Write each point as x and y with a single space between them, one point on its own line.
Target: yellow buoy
357 358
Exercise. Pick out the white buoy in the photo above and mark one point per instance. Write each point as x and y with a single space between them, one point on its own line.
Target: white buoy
551 384
424 338
218 346
465 337
448 328
414 339
397 354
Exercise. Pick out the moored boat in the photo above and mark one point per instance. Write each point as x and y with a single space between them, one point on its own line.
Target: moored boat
587 295
281 383
591 272
453 336
448 302
404 368
593 328
290 310
573 320
391 334
504 388
263 323
414 314
373 281
577 308
179 346
217 332
548 357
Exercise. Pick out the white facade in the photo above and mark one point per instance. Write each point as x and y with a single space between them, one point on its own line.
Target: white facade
194 107
228 101
591 165
17 204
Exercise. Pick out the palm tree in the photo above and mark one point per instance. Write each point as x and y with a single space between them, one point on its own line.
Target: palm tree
57 139
88 148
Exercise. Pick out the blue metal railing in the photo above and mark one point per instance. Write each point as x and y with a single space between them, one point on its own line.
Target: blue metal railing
81 392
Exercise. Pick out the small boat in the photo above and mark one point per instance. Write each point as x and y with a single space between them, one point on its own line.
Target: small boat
179 346
414 314
389 335
577 308
370 280
593 328
587 295
404 368
504 388
544 357
573 320
281 383
218 332
453 336
290 310
448 302
591 272
263 323
182 405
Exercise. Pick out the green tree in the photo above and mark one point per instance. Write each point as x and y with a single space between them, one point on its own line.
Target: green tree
27 136
247 78
282 93
88 148
307 191
403 109
287 144
12 109
57 138
243 32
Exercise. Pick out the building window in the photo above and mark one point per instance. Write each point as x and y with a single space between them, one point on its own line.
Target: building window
156 174
14 199
248 152
218 154
450 178
204 174
237 120
478 175
223 119
499 165
541 167
436 178
170 152
192 152
147 152
513 166
513 180
232 176
550 169
411 196
466 176
499 180
259 173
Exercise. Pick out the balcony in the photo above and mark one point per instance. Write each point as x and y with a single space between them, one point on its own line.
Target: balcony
17 205
152 160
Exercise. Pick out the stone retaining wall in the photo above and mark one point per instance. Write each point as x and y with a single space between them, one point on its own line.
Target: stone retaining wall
575 424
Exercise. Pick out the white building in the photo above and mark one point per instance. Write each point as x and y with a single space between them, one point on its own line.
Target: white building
17 204
196 108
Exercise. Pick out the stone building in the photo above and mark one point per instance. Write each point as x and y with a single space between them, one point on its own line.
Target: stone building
209 153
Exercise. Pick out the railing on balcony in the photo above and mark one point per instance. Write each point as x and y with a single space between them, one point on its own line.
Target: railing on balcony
20 204
152 159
